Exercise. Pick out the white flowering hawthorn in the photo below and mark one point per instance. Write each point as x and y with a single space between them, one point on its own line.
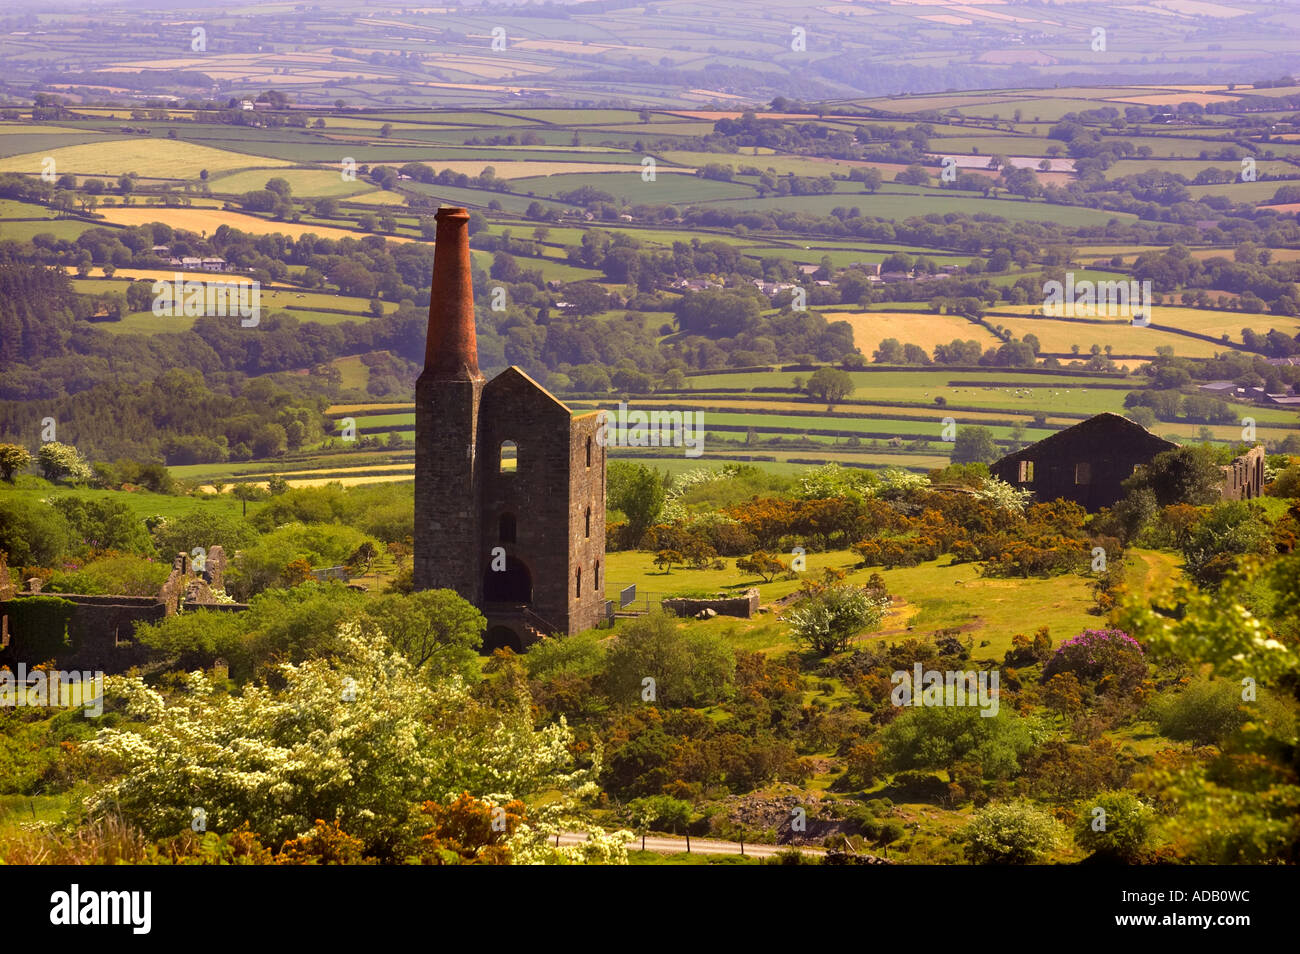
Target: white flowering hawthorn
361 740
1000 494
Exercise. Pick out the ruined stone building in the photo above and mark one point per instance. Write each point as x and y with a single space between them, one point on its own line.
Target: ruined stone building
509 483
1088 463
1243 479
100 630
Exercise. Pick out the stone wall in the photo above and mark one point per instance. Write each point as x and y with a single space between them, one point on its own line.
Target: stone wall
742 606
99 632
7 587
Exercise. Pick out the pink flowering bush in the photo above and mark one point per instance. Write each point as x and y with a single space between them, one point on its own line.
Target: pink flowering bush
1108 659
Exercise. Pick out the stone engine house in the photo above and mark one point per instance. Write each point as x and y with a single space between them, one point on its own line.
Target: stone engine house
509 483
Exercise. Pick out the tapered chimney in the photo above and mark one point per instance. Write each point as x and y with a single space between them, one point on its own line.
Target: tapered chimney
447 397
451 349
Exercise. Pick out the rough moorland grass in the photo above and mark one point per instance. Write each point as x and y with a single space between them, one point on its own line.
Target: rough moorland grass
928 598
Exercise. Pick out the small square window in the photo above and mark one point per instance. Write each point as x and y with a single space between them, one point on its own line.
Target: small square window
1083 473
1026 472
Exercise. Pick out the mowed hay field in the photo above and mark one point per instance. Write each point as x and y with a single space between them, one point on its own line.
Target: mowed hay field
378 197
1058 337
151 158
1202 321
1206 322
872 327
209 220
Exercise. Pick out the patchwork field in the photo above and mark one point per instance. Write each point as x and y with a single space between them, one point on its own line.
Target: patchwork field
169 159
205 221
926 331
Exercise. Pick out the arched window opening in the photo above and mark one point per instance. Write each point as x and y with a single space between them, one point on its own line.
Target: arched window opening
587 532
509 457
595 577
577 590
588 451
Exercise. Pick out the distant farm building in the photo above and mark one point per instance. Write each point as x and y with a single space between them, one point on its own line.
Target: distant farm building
1089 462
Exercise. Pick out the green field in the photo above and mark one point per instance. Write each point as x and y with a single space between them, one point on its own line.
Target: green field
890 206
304 182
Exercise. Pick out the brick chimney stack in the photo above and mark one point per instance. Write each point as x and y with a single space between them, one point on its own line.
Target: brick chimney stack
447 396
451 349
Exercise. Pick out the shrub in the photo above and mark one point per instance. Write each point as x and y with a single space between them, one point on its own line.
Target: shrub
119 574
469 831
1211 548
689 667
358 742
1010 833
32 535
325 844
791 856
1114 825
104 524
1217 628
62 462
1207 712
263 563
202 528
1109 659
582 655
829 618
936 737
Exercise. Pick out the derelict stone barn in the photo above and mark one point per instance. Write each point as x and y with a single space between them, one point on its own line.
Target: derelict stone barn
509 484
1085 463
1089 462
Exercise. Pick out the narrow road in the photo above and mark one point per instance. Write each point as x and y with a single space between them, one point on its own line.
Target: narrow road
671 845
